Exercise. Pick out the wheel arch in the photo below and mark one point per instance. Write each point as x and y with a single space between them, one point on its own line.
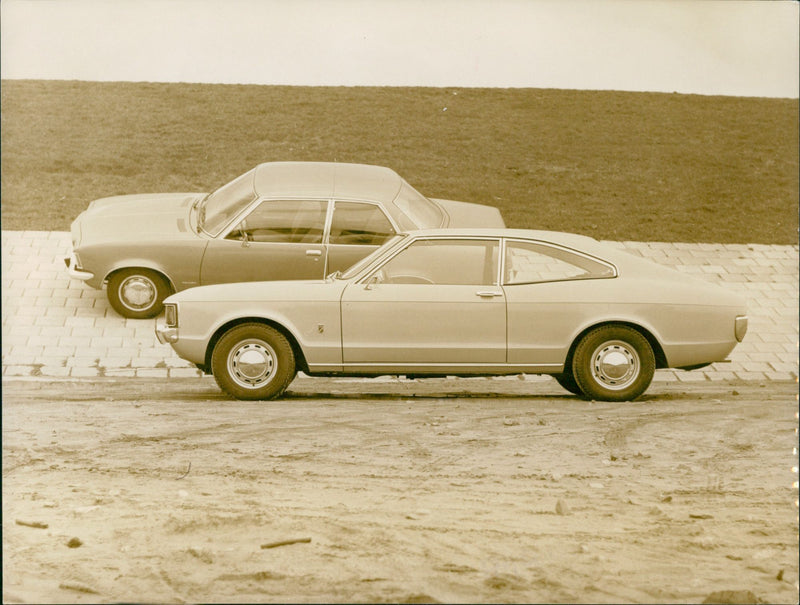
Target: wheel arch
299 356
141 265
658 351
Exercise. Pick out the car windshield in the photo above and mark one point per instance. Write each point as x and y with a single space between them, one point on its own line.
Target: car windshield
364 262
415 210
220 207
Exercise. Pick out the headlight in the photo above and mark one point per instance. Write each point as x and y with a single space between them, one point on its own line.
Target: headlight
171 315
740 327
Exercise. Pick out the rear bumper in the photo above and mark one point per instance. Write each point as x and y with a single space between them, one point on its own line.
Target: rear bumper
166 335
192 350
697 355
75 271
740 328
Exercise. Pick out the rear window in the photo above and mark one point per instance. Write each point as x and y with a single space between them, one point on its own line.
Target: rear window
416 211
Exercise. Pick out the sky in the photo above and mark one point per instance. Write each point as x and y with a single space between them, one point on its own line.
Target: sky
712 47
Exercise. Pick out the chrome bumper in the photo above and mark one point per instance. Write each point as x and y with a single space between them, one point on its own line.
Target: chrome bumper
166 335
740 327
74 271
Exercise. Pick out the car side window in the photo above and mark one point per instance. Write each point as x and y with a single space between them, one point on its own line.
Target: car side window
289 221
529 262
444 262
357 223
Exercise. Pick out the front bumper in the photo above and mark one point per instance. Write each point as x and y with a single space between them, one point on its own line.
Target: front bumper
166 335
74 270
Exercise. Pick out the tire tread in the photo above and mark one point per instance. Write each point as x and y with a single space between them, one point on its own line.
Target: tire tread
582 365
286 361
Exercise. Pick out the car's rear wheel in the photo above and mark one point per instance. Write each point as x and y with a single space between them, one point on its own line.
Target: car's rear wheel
253 361
567 380
137 293
613 363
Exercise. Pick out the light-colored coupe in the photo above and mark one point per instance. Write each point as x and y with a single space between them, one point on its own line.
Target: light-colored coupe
279 221
462 302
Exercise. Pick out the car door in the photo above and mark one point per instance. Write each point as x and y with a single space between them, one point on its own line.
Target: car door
277 240
356 229
435 303
543 284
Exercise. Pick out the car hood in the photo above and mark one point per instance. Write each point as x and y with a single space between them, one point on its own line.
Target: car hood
267 291
465 214
135 218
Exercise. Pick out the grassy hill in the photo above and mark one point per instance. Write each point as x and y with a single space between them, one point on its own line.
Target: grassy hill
614 165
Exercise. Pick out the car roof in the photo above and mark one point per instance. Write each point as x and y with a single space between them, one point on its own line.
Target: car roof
582 243
327 180
612 252
556 237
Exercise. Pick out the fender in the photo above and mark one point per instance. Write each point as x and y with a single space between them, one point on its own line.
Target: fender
318 336
139 263
631 320
180 264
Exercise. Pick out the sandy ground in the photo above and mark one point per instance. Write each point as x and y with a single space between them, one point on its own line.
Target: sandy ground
418 491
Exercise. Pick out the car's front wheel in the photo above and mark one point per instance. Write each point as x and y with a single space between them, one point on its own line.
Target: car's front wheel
253 361
613 363
137 293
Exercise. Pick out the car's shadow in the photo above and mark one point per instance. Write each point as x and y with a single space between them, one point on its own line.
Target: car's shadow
438 395
415 396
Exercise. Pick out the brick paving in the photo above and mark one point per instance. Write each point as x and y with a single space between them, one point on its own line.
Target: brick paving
54 326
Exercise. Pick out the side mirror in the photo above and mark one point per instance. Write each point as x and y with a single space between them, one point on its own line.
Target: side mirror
245 239
373 281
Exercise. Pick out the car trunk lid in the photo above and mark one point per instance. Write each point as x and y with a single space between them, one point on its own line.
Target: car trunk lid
465 214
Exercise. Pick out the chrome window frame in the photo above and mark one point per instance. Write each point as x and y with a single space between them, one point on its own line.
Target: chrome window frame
332 209
368 272
284 198
331 202
567 249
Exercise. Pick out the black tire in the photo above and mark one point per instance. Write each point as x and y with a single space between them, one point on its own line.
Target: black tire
613 363
137 293
567 380
266 371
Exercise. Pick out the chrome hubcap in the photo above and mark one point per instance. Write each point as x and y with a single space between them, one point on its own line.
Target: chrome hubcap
252 363
137 292
615 365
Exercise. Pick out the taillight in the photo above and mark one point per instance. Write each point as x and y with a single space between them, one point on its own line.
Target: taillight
740 327
171 315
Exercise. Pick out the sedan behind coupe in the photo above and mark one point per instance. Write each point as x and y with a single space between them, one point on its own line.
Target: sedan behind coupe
464 302
279 221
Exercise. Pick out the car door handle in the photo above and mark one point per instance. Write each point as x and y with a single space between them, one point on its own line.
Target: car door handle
313 252
487 293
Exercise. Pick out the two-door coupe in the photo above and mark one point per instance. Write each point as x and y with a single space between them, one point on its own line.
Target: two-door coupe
462 302
279 221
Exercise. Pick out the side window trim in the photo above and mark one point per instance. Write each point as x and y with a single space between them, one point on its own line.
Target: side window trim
234 222
380 264
389 217
223 235
509 240
498 265
332 210
326 231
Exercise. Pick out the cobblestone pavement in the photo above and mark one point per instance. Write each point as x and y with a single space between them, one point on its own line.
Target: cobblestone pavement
54 326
